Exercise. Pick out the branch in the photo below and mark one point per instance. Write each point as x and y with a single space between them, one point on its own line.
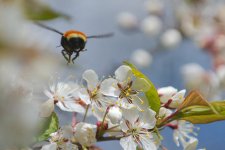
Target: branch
109 138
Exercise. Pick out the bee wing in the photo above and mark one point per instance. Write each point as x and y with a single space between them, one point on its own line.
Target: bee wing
101 36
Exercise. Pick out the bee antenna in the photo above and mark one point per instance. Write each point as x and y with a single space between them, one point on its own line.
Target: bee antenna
48 28
100 36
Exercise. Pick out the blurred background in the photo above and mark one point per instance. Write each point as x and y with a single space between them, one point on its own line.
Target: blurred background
175 43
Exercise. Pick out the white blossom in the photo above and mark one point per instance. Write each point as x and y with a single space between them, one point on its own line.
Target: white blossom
170 97
64 95
114 114
171 38
136 126
151 25
191 144
85 133
127 20
92 94
125 88
61 140
154 6
51 146
193 75
141 58
183 132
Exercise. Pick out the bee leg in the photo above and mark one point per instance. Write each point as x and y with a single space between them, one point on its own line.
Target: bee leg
77 55
69 58
64 54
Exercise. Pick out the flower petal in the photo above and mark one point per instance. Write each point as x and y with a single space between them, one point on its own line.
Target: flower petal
47 108
124 126
131 115
166 93
123 73
109 87
176 137
128 143
52 146
91 78
84 96
71 106
147 143
148 117
191 144
177 99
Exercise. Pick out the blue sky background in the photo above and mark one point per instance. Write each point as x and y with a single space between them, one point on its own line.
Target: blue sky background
105 55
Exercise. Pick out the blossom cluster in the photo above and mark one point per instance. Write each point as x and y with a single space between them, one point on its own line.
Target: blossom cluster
121 109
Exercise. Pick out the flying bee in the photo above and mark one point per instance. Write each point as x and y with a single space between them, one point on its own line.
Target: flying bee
73 41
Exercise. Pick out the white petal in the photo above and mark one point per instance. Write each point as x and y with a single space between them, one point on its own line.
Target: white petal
130 114
177 99
166 93
48 94
128 143
83 94
123 73
125 104
109 87
52 146
176 137
148 117
91 78
124 126
140 101
62 106
115 114
71 106
99 114
147 143
85 133
47 108
71 146
140 84
191 144
67 131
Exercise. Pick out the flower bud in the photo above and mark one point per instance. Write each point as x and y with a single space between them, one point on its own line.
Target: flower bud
154 6
85 133
104 125
171 38
166 93
115 114
151 25
141 58
127 21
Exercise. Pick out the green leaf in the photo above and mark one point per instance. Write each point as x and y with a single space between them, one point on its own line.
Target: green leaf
51 125
202 114
34 10
197 110
151 94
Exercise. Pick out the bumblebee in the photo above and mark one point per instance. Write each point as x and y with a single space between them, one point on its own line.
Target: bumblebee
73 42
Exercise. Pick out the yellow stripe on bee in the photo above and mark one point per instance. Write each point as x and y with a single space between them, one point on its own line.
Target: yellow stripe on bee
73 34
